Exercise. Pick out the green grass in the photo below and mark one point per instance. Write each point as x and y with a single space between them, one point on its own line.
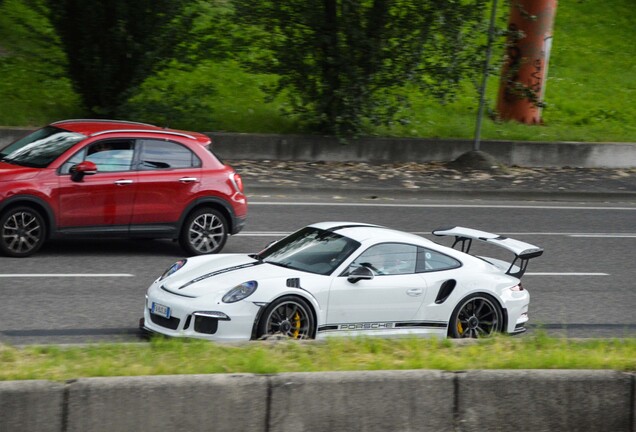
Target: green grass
177 356
590 93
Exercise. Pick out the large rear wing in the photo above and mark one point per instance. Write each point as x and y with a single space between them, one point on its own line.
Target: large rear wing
523 251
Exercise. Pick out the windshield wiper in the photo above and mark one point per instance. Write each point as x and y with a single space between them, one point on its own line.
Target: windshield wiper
256 256
282 264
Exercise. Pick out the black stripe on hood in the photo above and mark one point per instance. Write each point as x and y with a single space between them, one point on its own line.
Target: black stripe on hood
218 272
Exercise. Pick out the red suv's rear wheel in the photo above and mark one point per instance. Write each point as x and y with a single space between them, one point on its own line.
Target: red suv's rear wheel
204 232
22 232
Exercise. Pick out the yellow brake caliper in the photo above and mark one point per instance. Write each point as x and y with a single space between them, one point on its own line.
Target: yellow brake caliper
296 324
460 329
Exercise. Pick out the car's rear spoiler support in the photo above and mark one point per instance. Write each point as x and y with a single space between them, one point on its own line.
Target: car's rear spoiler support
523 251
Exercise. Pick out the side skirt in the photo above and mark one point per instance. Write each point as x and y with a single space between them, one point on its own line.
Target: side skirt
110 231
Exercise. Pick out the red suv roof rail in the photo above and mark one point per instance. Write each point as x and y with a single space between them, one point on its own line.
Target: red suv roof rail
159 131
101 121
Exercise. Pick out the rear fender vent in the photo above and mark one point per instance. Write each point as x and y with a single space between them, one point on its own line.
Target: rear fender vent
445 290
293 283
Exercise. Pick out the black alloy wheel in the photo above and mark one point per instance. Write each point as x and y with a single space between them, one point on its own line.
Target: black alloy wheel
22 232
288 316
476 316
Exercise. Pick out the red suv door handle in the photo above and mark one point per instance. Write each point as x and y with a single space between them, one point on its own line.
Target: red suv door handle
188 179
123 182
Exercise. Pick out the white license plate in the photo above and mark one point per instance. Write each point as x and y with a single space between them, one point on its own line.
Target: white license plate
161 310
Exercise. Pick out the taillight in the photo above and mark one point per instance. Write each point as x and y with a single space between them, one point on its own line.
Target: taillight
517 287
237 181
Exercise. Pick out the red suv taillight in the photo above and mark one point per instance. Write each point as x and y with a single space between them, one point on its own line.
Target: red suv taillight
237 181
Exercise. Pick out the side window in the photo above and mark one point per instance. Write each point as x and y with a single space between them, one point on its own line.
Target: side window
157 154
430 260
110 156
389 259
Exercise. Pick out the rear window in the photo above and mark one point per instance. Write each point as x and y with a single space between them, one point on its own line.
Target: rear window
157 154
209 148
430 260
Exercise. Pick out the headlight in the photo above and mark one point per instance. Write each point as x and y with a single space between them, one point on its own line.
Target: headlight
173 268
240 292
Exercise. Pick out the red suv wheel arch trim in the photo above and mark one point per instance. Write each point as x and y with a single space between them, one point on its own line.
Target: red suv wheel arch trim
235 223
36 202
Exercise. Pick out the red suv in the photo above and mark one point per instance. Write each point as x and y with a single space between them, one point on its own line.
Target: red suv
116 179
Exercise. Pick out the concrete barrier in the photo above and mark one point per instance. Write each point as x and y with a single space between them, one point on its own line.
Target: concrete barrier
376 149
168 403
31 406
416 400
545 401
378 401
370 149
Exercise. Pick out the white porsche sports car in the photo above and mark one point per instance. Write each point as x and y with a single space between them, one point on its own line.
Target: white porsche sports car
343 278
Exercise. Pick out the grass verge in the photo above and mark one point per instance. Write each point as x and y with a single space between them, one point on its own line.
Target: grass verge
176 356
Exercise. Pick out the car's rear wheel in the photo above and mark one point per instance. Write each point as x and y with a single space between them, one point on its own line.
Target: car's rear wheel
288 316
476 316
204 232
22 232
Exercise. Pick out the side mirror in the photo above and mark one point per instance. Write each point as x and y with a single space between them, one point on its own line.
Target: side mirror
81 169
360 273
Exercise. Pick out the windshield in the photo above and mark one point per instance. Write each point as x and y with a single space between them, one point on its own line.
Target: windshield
312 250
40 148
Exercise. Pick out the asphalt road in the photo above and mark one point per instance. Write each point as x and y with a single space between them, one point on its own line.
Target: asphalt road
583 286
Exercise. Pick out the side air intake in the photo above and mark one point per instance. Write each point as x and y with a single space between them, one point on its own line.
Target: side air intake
445 290
293 283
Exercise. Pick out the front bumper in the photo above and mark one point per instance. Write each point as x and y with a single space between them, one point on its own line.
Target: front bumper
198 318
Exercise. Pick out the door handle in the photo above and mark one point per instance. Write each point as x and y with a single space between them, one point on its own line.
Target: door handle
123 182
188 179
414 292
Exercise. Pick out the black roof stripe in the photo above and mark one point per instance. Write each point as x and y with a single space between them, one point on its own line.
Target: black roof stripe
339 227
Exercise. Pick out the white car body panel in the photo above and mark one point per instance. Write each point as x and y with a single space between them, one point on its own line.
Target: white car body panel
387 305
377 299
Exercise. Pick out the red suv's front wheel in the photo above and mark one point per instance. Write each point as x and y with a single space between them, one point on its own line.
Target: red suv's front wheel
204 232
22 232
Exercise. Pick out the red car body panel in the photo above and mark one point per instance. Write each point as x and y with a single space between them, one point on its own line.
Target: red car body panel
98 200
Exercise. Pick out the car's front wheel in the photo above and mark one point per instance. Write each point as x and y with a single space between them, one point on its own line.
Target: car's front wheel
204 232
288 316
476 316
22 232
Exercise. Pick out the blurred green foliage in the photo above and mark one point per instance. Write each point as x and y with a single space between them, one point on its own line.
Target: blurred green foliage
590 90
344 62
